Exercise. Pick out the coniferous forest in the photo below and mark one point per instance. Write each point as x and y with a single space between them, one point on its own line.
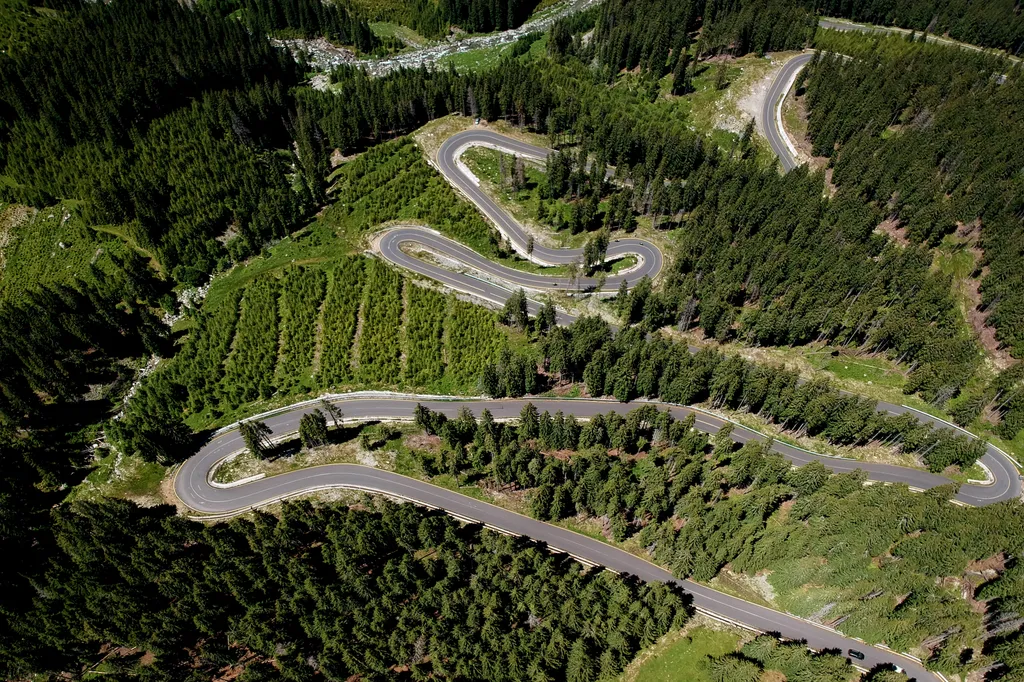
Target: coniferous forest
154 115
761 257
997 23
328 593
182 132
675 503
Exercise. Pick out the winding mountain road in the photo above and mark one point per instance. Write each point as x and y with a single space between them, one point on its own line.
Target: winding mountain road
770 115
193 480
1006 483
649 258
194 486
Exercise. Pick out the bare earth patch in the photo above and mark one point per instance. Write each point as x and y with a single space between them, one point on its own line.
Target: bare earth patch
970 289
338 158
564 389
753 100
11 217
988 568
890 227
978 319
421 441
169 496
755 589
731 108
784 510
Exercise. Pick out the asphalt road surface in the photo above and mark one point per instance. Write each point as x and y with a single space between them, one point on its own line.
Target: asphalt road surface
193 480
1007 484
496 282
649 257
769 116
390 249
192 486
770 121
501 281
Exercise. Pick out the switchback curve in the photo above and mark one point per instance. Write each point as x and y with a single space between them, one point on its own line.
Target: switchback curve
649 258
770 115
192 486
1006 481
193 480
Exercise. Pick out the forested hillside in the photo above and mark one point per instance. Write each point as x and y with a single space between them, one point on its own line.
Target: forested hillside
763 258
159 117
335 21
180 133
633 365
163 121
993 23
166 127
21 21
934 141
655 35
929 137
742 270
63 337
880 563
329 593
289 336
238 348
294 330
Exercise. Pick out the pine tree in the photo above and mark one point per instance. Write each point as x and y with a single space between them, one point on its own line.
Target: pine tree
518 174
490 380
580 666
529 422
333 410
515 312
622 301
680 75
721 76
257 437
540 502
428 420
546 319
313 429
